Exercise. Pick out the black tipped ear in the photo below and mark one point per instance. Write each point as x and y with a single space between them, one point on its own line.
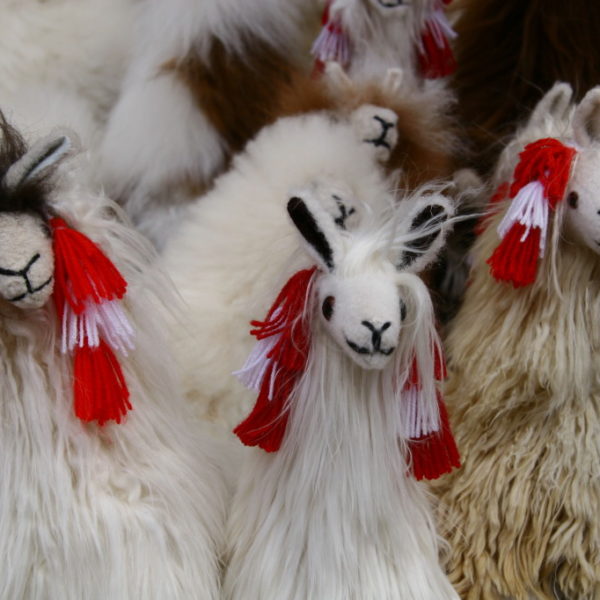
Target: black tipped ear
425 235
307 225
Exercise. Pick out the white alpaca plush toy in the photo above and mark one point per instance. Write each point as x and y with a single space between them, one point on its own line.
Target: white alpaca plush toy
217 258
202 82
346 367
369 36
107 491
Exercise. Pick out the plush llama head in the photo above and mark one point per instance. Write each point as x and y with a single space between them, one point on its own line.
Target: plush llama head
366 36
363 311
365 288
27 259
553 188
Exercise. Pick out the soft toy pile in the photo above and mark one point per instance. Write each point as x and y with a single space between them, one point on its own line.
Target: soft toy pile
344 356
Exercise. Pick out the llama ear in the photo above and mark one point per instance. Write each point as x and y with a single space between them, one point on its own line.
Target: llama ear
41 159
337 78
425 232
318 229
392 81
555 103
586 120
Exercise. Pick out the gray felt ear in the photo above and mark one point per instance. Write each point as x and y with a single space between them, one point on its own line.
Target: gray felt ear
425 232
555 104
586 120
317 227
42 158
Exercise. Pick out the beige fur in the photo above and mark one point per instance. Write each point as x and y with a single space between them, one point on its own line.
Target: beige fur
521 515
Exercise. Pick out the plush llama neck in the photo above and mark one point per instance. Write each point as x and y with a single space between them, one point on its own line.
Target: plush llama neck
338 487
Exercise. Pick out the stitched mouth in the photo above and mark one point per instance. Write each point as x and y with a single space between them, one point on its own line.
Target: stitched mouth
368 351
30 293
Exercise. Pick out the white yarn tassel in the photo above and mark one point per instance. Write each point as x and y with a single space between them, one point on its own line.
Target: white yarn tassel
332 43
106 320
252 373
529 208
419 416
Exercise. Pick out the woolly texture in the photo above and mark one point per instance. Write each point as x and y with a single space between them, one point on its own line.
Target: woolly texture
281 365
115 512
435 55
539 183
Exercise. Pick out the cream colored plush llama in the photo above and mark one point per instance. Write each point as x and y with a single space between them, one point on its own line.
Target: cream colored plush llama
90 511
524 393
229 253
331 510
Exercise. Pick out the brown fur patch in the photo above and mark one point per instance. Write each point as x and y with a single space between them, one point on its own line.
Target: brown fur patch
236 93
510 52
423 149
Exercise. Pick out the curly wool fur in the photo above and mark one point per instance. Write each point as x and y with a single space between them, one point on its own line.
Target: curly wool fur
122 511
524 399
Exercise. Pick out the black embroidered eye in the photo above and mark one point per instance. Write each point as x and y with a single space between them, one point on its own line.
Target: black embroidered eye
573 199
402 310
327 307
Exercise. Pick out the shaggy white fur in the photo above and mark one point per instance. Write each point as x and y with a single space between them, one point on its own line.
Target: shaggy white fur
334 513
228 254
80 46
157 135
522 515
125 511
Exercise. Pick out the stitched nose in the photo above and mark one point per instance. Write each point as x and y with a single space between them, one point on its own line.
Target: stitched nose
376 333
24 273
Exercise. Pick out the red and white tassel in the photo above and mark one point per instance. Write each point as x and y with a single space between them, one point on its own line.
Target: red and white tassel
435 55
87 293
539 184
276 363
432 448
332 43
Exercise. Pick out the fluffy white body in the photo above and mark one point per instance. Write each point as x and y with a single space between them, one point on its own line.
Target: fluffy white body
230 250
125 511
157 136
80 46
334 513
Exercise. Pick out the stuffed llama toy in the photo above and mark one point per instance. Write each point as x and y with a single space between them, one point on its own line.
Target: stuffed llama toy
523 393
345 368
108 490
217 258
367 37
202 82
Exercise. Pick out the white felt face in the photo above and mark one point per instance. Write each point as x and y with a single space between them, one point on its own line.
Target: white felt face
363 313
26 260
583 199
377 127
359 299
389 8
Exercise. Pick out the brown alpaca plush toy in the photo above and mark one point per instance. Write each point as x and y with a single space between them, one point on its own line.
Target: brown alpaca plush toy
521 515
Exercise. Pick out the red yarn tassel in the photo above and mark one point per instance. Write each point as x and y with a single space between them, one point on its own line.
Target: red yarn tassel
515 261
435 454
81 270
100 391
266 425
435 56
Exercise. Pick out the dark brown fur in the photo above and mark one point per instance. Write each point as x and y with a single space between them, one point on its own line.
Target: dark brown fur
420 151
27 197
510 52
236 93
